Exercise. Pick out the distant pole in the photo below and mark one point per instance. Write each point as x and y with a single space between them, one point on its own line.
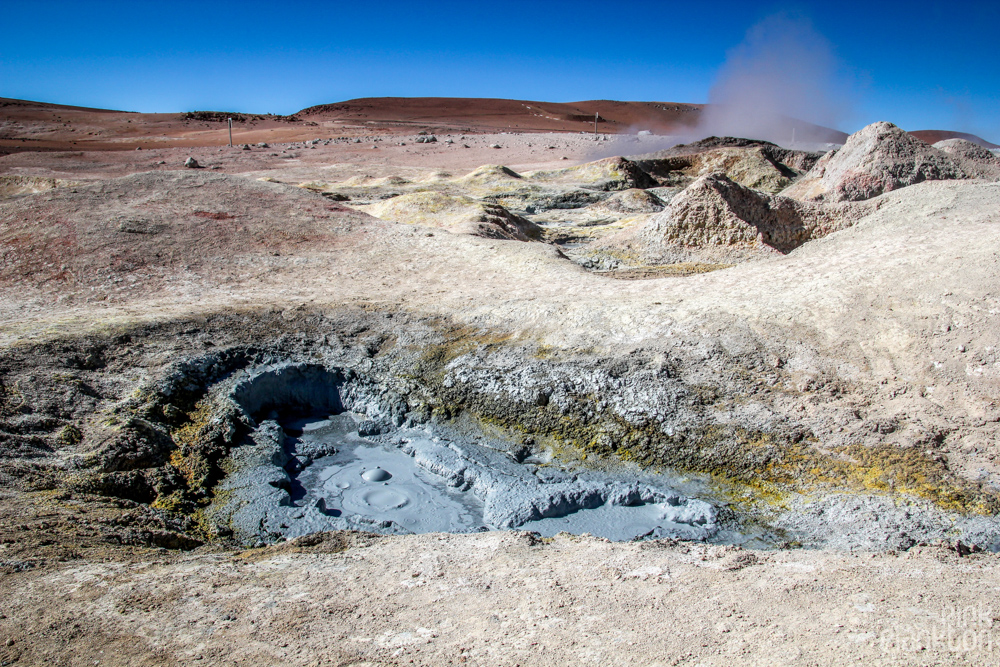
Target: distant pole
597 115
230 132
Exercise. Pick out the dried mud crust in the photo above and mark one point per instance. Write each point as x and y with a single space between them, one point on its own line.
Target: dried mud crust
139 422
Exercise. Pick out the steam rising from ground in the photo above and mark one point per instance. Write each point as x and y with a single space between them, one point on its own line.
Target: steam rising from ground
782 83
783 72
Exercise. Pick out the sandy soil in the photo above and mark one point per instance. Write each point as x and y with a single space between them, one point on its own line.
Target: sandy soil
507 599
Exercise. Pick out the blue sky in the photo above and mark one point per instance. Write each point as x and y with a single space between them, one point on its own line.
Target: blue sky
919 64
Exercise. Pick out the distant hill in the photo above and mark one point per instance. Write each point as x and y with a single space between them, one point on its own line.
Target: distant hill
934 136
482 114
28 105
486 114
41 126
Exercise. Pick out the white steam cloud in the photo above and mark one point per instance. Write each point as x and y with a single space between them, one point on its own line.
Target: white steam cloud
783 76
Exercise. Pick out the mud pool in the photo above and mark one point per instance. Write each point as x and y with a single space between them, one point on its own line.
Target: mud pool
323 475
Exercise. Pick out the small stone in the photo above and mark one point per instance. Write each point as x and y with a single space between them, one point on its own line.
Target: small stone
246 147
191 163
368 427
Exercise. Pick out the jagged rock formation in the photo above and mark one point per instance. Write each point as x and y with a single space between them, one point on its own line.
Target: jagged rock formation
459 214
878 158
975 160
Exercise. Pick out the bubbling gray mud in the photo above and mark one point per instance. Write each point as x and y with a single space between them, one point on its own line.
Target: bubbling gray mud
380 483
413 480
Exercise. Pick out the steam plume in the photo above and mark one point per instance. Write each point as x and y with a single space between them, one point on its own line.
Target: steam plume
782 72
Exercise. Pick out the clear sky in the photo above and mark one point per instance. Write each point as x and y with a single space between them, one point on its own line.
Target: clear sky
921 65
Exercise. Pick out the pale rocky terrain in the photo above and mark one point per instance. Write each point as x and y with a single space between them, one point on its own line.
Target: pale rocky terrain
825 373
880 158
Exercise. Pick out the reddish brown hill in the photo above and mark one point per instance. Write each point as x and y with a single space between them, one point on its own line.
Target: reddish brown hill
38 126
934 136
484 114
26 105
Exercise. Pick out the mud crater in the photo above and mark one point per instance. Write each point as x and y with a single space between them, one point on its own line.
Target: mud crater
322 456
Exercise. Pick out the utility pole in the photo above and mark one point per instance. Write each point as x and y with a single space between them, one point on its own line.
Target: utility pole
230 132
597 115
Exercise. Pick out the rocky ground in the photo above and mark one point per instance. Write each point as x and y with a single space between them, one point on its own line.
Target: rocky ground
824 373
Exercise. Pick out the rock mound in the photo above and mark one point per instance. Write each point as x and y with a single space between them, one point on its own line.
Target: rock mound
609 174
458 214
490 173
935 136
718 220
878 158
753 167
493 177
684 157
975 160
629 202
